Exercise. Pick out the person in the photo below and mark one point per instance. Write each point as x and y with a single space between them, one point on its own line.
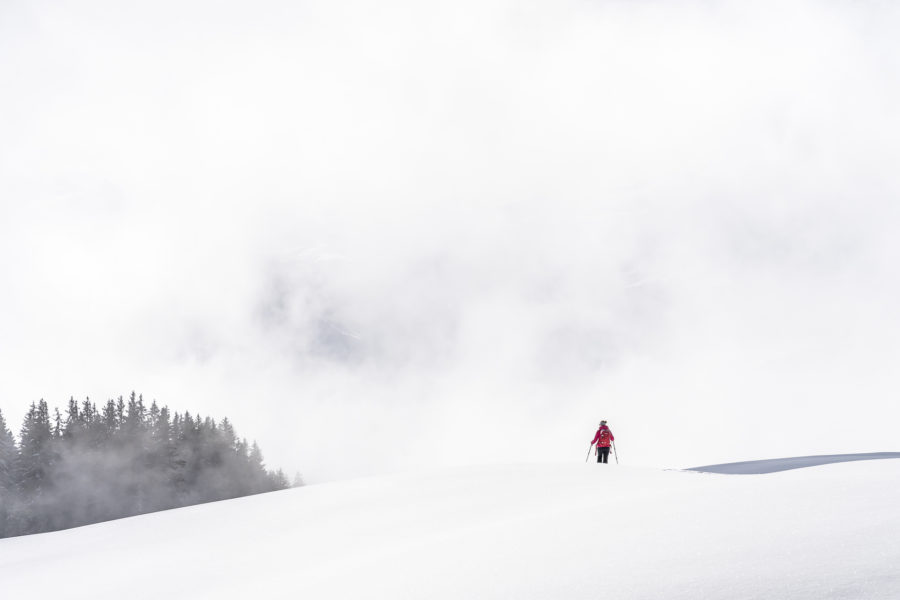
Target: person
603 438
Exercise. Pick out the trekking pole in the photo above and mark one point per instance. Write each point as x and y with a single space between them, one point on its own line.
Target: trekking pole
589 452
616 453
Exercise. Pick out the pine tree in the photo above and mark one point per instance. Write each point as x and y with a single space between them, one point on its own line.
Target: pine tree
8 459
134 419
88 465
120 410
74 421
110 419
162 466
57 424
8 455
34 465
258 474
153 415
278 480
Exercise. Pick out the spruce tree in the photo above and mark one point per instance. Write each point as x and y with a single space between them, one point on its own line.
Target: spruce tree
90 465
258 474
161 460
110 419
278 480
34 464
74 421
8 458
8 455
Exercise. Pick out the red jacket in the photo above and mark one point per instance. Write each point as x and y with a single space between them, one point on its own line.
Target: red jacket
603 437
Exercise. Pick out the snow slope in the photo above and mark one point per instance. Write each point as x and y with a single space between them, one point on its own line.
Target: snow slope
572 532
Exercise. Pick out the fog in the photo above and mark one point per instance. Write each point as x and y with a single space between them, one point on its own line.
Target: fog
393 235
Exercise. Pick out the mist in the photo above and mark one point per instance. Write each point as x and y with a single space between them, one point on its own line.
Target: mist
448 234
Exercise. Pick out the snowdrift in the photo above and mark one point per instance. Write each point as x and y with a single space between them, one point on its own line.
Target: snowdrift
570 532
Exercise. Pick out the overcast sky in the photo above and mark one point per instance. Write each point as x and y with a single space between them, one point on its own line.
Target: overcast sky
383 235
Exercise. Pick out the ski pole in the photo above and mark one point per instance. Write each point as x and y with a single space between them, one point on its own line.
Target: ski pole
616 453
589 452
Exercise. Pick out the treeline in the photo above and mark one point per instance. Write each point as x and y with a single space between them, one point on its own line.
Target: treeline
123 459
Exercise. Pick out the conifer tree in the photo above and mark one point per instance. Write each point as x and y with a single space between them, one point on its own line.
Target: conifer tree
110 419
74 421
161 463
8 454
258 469
8 459
120 410
34 464
125 459
278 480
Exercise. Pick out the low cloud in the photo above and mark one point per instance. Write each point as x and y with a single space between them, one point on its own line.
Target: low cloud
394 236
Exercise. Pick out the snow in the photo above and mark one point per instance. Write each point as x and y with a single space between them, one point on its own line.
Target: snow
574 531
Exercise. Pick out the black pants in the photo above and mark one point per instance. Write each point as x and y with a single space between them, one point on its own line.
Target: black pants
602 454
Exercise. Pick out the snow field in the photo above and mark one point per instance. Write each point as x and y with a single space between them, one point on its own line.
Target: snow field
523 531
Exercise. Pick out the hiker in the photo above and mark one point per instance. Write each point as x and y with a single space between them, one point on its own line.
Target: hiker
603 438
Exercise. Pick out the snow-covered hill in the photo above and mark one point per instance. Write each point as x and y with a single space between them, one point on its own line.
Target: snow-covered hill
571 532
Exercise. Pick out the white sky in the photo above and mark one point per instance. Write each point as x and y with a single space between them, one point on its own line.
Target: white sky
382 235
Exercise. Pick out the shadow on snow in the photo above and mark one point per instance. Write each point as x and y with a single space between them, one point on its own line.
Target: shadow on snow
757 467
